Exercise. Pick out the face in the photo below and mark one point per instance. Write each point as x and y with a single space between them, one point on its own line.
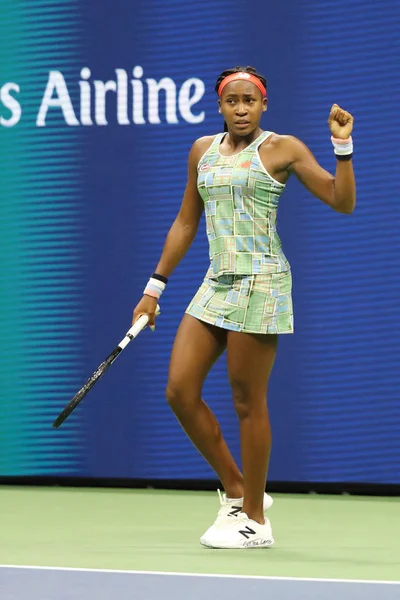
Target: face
242 105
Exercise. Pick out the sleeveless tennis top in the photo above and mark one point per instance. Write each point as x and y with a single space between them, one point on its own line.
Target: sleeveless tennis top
241 201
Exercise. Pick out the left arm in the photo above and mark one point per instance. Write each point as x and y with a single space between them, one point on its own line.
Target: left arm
339 192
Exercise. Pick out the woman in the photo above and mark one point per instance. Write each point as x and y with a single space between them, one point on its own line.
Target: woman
245 301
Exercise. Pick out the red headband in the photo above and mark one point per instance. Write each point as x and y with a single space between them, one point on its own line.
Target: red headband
246 77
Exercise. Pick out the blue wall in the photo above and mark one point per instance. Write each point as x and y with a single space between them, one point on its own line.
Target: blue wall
85 210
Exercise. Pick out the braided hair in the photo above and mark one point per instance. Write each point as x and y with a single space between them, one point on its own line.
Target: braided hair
238 69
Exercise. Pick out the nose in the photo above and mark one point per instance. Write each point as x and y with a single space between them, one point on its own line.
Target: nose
241 110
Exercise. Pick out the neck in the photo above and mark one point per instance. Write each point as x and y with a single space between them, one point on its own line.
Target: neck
236 141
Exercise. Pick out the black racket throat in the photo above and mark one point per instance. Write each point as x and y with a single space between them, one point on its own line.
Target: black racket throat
138 326
87 386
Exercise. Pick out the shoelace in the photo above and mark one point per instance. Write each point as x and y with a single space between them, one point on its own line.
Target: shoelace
223 502
222 498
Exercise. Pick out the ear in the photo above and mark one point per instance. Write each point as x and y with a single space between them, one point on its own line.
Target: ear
265 104
219 106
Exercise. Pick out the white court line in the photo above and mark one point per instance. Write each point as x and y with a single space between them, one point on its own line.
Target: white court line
179 574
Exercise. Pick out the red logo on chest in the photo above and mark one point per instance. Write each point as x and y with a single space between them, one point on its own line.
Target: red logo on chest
204 167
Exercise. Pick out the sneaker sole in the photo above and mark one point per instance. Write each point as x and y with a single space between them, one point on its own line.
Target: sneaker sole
247 545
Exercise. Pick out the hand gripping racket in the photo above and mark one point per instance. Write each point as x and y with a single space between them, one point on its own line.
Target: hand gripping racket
101 369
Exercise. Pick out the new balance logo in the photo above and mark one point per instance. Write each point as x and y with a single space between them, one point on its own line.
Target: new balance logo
235 511
247 531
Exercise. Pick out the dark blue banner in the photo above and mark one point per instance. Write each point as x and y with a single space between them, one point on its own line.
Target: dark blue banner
100 103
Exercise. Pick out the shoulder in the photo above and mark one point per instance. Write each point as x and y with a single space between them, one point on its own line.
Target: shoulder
199 147
289 146
282 141
202 144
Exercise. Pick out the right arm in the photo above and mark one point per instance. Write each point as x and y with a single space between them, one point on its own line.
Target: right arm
183 230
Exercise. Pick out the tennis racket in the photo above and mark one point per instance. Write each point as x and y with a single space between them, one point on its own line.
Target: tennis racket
101 369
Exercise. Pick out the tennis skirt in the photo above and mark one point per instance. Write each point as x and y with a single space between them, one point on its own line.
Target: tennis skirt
245 303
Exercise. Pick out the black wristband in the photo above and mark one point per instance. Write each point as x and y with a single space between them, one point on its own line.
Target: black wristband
344 156
160 278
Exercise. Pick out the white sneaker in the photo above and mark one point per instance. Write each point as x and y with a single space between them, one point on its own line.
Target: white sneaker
230 509
240 532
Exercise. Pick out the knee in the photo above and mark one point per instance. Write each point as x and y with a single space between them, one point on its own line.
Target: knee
241 398
179 395
247 401
174 394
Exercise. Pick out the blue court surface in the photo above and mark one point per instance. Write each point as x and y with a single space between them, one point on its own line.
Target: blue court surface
48 583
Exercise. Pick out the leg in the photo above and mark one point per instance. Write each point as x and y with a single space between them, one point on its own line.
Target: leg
250 361
196 348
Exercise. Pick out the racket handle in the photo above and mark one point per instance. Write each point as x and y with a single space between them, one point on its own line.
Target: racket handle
136 329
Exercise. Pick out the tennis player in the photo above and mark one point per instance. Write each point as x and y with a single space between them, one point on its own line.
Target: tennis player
244 302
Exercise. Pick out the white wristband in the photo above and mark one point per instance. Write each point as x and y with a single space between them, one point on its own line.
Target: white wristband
342 147
154 287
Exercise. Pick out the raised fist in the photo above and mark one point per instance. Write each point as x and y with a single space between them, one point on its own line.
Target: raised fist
340 122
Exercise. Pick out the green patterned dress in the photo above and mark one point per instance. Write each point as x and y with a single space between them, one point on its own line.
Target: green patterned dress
248 287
